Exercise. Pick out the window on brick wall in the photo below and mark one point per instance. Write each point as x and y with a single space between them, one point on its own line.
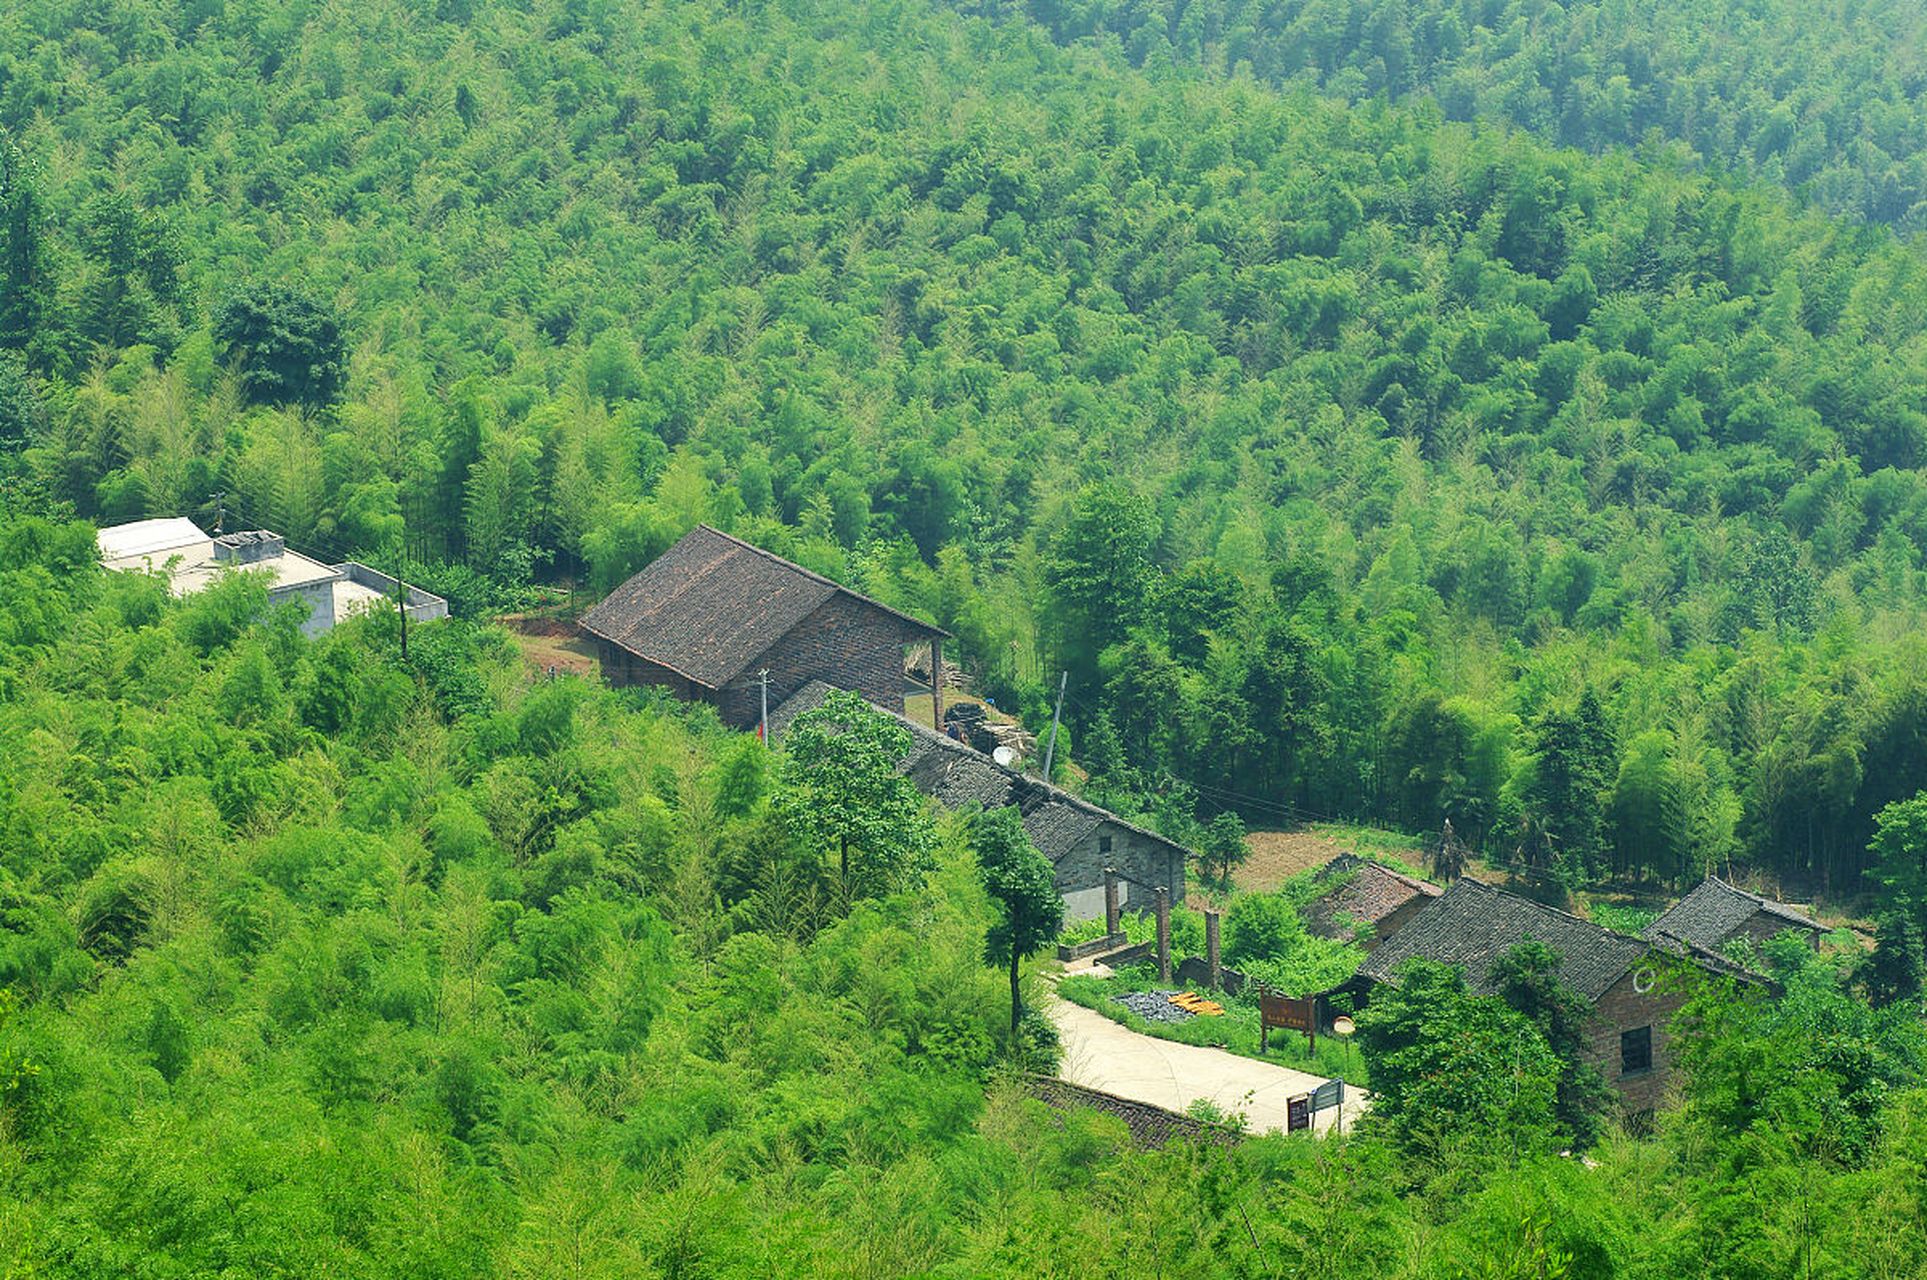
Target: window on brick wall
1635 1051
1103 844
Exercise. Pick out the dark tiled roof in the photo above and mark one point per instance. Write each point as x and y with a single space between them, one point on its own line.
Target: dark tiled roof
710 605
1708 959
956 775
1361 890
1473 924
1708 915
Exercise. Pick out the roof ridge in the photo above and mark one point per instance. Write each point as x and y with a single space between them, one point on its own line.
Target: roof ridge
814 576
1581 920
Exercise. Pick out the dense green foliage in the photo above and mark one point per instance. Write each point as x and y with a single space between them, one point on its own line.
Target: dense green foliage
1414 431
1824 98
1382 462
320 961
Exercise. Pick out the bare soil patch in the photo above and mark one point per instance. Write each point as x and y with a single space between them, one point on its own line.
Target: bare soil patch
552 644
1277 856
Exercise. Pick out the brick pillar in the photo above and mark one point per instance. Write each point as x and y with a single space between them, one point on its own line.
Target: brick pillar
1110 901
1211 950
1164 934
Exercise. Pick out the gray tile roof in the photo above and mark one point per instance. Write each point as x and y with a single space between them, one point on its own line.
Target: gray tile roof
956 775
1710 914
711 605
1473 924
1360 890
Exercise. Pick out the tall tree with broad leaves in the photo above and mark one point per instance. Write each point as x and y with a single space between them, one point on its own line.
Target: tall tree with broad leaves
1099 572
1021 883
1529 979
285 344
1572 771
25 281
841 791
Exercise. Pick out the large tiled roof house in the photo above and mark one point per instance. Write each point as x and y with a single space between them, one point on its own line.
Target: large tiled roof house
1473 924
712 612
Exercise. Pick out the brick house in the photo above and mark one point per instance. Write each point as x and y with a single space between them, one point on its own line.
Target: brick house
1473 924
1715 913
1079 838
1357 891
706 616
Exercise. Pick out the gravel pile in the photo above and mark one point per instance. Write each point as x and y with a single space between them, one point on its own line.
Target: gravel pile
1153 1006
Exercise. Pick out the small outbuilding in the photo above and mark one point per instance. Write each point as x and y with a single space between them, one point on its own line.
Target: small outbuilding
1715 913
1356 892
192 560
1079 838
713 612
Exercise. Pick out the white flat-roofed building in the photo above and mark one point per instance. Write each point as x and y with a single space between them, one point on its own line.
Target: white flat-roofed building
192 560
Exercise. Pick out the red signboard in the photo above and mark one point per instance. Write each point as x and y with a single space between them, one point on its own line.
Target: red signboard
1287 1013
1298 1113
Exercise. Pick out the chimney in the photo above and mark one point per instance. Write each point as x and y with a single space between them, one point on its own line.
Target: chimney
249 547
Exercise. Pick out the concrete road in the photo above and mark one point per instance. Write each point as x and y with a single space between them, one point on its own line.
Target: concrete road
1101 1054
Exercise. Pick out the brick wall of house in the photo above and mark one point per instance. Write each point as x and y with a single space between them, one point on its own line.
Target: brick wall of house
621 668
1080 873
1623 1009
845 643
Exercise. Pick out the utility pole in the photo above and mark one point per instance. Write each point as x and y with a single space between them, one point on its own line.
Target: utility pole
220 509
1051 749
762 728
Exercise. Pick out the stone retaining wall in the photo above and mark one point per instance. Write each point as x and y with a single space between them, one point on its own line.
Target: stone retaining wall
1150 1126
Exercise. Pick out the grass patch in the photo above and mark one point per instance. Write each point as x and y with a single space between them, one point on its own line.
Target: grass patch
1621 918
1235 1031
1393 848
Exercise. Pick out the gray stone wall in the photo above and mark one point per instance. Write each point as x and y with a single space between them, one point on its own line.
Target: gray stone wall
1623 1009
1080 873
845 643
320 599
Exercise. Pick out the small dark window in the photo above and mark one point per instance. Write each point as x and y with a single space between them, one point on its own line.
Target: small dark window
1103 844
1635 1051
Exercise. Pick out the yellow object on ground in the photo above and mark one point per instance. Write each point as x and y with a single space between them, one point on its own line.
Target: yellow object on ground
1192 1002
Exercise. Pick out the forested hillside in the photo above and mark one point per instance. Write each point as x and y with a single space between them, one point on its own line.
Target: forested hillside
320 960
1823 97
1351 461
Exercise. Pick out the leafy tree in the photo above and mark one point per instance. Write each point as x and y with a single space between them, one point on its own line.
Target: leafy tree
1020 881
284 343
26 282
1100 574
1900 855
1224 845
1896 971
841 791
1450 1068
137 257
1566 794
1528 979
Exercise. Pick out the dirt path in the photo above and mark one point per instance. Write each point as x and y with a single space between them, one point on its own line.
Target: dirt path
1101 1054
